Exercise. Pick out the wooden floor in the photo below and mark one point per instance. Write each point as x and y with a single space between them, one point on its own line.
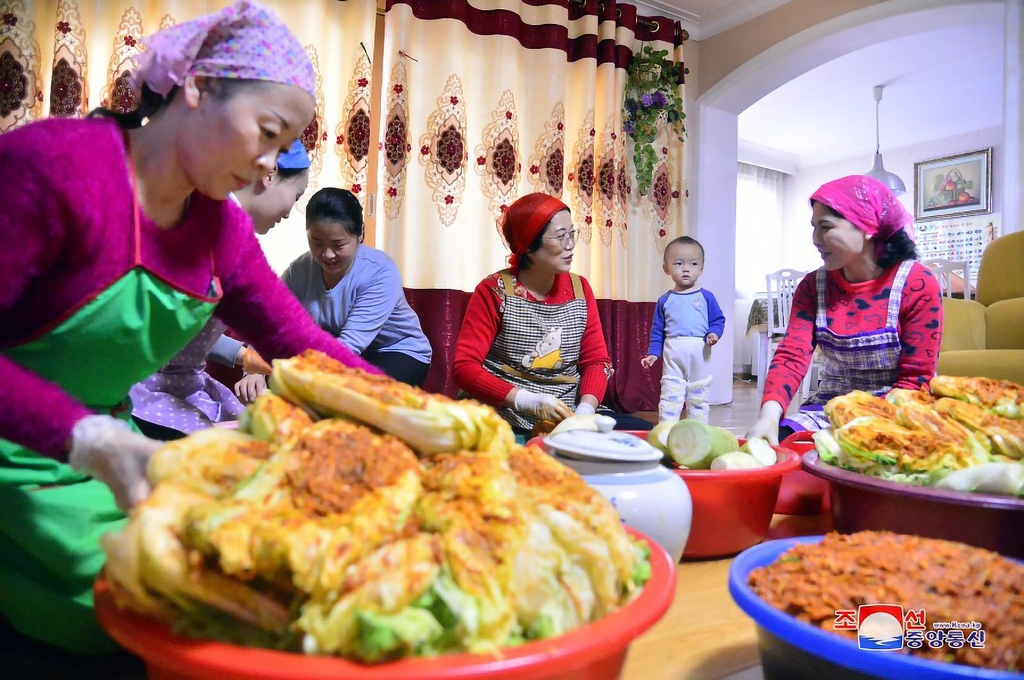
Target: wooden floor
736 417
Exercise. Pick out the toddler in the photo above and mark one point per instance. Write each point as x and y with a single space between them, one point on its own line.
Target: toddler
687 322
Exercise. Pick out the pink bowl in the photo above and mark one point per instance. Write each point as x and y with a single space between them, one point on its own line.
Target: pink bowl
596 651
864 503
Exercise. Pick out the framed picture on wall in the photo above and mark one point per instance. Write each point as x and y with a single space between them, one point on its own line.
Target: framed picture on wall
953 186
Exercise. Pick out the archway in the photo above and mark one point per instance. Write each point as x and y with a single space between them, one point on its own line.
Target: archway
713 161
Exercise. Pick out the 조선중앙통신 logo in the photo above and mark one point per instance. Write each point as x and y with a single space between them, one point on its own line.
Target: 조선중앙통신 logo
888 627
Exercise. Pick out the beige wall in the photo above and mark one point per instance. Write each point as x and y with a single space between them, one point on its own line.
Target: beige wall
724 52
691 59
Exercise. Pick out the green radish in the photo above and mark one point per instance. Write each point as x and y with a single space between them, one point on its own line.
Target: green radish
722 441
658 437
694 445
735 460
761 450
689 444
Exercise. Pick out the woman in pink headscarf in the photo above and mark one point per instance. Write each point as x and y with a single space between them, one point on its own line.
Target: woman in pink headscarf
126 245
872 310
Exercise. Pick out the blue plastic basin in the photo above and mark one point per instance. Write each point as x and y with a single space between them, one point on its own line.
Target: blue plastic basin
792 649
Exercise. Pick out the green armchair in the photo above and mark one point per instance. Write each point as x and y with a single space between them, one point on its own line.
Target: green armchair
985 337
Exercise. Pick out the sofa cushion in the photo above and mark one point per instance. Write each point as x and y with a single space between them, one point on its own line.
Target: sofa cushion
963 325
1001 364
1004 324
1001 273
440 311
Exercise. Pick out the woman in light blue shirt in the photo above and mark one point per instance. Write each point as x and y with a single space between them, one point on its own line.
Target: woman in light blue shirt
355 292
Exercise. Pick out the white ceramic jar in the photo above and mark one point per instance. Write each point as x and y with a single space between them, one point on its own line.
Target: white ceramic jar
626 470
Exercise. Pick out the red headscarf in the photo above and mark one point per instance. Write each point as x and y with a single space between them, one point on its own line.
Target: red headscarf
868 204
526 218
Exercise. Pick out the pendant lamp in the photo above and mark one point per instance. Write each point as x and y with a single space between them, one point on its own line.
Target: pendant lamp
878 171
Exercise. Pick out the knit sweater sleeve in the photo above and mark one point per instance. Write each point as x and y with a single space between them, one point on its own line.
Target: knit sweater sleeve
225 350
260 307
657 341
379 290
920 329
595 364
479 329
716 318
793 356
34 412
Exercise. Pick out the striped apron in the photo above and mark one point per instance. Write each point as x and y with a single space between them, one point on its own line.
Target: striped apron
867 361
537 347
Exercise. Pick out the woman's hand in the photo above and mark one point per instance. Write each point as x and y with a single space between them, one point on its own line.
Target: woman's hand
107 449
584 409
250 387
540 406
648 360
712 339
767 425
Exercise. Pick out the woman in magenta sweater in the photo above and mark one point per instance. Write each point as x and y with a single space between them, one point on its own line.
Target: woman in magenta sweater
121 246
872 309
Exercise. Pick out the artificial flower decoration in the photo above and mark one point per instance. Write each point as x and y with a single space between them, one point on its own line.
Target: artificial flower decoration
652 100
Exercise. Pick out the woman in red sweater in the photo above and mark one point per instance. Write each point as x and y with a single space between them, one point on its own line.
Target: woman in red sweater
872 309
531 343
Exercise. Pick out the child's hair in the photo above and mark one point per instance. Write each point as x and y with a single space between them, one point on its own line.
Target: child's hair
683 241
336 205
895 249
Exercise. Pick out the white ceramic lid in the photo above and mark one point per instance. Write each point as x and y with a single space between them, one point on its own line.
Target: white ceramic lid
602 446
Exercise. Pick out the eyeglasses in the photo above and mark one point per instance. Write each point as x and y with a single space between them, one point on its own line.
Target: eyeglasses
566 239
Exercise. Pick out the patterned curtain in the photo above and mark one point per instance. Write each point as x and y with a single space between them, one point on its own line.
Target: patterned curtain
481 102
66 57
486 101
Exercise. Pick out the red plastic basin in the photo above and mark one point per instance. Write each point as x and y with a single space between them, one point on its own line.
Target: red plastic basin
596 651
732 509
802 493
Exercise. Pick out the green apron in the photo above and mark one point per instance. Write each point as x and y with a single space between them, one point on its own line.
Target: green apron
52 516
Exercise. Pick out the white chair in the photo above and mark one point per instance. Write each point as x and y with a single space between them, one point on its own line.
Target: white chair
946 272
781 287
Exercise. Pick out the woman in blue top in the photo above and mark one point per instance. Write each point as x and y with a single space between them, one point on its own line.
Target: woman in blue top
355 292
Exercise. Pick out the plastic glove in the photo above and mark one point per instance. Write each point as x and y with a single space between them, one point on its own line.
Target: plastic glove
584 409
541 406
767 425
250 387
106 449
252 362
